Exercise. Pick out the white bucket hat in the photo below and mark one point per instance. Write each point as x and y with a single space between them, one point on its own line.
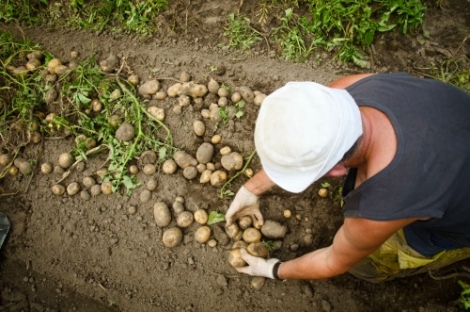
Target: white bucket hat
303 130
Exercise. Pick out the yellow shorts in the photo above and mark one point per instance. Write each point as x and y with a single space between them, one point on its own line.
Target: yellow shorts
396 259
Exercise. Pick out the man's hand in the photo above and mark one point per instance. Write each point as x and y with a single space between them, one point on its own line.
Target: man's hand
242 199
257 266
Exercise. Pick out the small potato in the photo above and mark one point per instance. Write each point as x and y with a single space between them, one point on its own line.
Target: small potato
96 105
287 214
95 190
172 237
258 249
202 234
204 153
174 90
232 161
249 172
185 219
145 196
58 189
46 168
133 79
149 169
156 112
66 160
190 172
323 192
201 168
223 101
218 177
178 207
213 86
184 160
199 128
53 63
258 100
205 176
5 159
257 282
225 150
88 182
152 184
23 166
245 222
235 258
236 97
201 216
222 92
247 94
160 95
216 139
13 171
162 214
185 77
169 166
193 89
232 230
33 64
149 88
251 235
183 100
73 188
212 243
133 169
210 166
107 187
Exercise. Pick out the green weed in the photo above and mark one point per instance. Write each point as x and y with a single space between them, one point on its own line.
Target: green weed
240 33
465 295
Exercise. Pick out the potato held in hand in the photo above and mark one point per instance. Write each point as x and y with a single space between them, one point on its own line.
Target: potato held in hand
235 258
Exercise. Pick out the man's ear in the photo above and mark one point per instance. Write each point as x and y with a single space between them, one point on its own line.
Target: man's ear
337 171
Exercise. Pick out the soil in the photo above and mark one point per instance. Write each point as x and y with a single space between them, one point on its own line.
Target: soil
68 253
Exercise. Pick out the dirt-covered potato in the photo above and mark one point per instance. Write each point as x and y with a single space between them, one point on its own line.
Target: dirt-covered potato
184 159
257 282
201 168
232 230
53 63
172 237
66 160
46 168
235 258
88 182
213 86
169 166
107 187
109 64
183 100
251 235
125 132
58 189
201 216
239 244
185 219
245 222
13 171
149 169
190 172
273 229
232 161
162 214
205 176
174 90
145 196
247 94
133 169
95 190
193 89
33 64
178 207
133 79
199 127
205 152
222 92
23 166
202 234
185 76
258 249
236 97
73 188
151 184
148 157
259 98
149 87
216 139
218 177
160 95
5 159
157 112
225 150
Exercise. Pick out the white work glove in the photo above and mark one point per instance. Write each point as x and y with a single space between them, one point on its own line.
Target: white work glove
243 199
257 266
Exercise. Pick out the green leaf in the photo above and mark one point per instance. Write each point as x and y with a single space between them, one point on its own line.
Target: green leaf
325 184
215 217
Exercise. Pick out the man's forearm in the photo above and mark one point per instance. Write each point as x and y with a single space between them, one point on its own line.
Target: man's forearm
259 183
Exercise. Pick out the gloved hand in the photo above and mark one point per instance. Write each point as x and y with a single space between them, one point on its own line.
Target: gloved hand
242 199
257 266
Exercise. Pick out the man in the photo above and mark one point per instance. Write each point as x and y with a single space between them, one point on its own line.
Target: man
404 143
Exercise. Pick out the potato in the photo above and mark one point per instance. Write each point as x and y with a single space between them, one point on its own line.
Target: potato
156 112
201 168
190 172
202 234
149 88
287 214
184 160
258 249
88 182
249 172
183 100
23 166
213 86
204 153
210 166
46 168
149 169
51 95
125 132
201 216
162 214
185 219
160 95
273 229
95 190
179 199
258 100
13 171
133 79
199 127
245 222
169 166
172 237
222 92
193 89
232 230
66 160
235 258
232 161
236 97
185 77
107 187
212 243
73 188
323 192
247 94
61 69
174 90
33 64
114 120
96 105
35 55
148 157
145 196
133 169
257 282
251 235
205 113
216 139
178 207
5 159
222 102
239 244
218 177
225 150
205 176
53 63
151 184
58 189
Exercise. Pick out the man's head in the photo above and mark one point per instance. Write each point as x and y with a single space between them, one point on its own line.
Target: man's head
303 130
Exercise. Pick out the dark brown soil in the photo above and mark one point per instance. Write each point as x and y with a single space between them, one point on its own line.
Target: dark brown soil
66 253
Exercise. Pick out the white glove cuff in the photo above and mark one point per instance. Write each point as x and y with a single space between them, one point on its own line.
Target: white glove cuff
247 193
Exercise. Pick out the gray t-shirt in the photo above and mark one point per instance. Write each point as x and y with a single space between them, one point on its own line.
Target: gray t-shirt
429 177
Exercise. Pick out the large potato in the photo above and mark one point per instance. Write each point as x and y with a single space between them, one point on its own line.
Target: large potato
232 161
258 249
193 89
202 234
201 216
251 235
185 219
172 237
205 152
150 87
162 214
235 258
218 177
184 160
169 166
273 229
